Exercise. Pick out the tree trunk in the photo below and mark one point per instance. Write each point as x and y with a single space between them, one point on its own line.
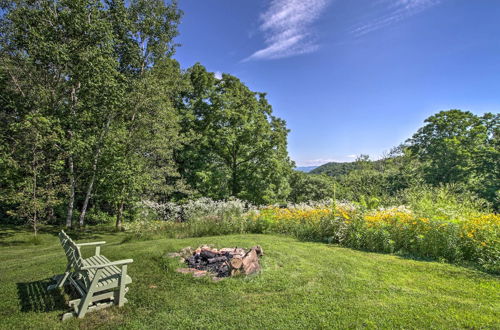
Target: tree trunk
94 170
119 214
72 181
234 183
81 221
234 174
35 182
71 202
35 215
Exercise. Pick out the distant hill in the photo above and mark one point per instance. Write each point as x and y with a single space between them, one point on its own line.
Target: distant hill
335 169
305 169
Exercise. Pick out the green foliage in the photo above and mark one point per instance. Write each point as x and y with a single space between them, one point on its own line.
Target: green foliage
444 202
98 74
96 117
306 187
457 146
364 180
238 147
438 223
335 169
200 217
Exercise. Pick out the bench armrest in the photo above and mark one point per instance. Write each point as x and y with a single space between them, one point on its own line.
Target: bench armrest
114 263
91 243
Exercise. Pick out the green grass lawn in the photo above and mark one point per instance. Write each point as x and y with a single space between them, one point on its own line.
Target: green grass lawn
302 285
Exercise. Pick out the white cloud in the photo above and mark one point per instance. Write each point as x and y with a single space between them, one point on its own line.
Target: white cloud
394 11
351 156
286 25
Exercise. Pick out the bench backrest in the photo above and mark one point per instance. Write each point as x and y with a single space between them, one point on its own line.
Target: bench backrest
71 250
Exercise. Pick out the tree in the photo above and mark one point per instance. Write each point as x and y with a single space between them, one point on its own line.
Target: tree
143 142
239 147
311 187
59 56
81 65
147 132
459 147
33 171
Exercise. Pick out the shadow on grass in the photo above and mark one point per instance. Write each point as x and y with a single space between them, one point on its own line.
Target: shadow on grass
27 237
6 235
34 297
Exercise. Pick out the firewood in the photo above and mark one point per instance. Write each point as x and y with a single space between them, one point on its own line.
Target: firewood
236 263
251 263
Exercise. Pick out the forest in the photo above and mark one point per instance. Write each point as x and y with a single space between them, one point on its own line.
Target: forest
97 116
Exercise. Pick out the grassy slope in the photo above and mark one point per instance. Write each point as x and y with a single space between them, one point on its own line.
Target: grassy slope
303 285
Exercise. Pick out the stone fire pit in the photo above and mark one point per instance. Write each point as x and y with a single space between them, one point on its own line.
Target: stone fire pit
220 263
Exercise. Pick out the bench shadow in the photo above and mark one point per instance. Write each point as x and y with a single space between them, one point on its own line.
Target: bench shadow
34 297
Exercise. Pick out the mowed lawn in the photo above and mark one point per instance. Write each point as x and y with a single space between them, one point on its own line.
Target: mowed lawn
302 285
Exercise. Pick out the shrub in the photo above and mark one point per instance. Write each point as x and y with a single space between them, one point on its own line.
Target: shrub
442 203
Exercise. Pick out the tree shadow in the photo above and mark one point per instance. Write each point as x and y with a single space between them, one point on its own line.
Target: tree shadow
6 235
34 297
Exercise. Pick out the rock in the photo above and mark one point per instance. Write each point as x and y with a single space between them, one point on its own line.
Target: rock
186 252
173 254
200 273
185 270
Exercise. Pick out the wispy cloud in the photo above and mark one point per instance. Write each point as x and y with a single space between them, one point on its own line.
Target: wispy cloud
393 12
287 28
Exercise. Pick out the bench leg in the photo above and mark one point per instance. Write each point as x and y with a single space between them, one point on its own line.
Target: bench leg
61 280
122 289
87 299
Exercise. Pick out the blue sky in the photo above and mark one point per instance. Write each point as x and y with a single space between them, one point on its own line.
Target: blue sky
351 77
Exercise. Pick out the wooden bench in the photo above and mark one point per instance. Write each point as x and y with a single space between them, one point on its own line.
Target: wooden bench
99 281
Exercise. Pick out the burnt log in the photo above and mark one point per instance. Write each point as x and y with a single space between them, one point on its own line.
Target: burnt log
206 254
217 259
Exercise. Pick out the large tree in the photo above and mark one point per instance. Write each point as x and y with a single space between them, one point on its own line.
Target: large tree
239 147
457 146
144 139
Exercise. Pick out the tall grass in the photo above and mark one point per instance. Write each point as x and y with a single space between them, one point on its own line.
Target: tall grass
435 223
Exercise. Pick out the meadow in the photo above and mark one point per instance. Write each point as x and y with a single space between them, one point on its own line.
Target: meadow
429 227
302 285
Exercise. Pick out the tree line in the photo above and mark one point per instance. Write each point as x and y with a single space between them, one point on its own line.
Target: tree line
454 147
97 115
